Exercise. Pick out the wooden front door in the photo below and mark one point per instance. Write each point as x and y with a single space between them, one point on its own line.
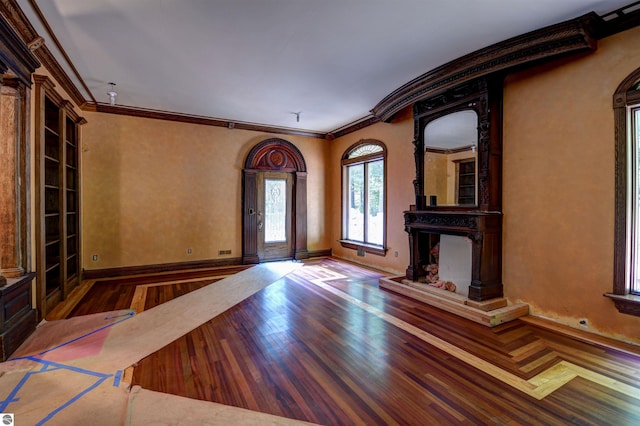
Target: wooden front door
275 214
274 167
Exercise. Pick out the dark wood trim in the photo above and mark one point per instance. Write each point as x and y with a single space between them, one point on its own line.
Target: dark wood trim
197 119
300 216
69 277
277 155
15 54
353 127
562 39
626 304
619 20
345 161
17 316
625 94
12 12
250 217
95 274
59 74
585 336
320 253
484 229
368 248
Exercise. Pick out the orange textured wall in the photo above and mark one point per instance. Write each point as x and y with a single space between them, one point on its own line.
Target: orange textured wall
152 189
559 186
397 137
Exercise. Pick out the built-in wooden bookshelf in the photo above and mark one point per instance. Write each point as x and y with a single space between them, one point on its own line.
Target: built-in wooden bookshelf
467 182
57 196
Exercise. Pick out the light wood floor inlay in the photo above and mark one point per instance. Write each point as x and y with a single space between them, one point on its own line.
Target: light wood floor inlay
538 387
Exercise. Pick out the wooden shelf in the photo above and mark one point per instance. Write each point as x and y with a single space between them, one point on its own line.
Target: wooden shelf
57 202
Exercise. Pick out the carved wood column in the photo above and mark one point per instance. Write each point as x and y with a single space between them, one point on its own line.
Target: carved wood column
10 247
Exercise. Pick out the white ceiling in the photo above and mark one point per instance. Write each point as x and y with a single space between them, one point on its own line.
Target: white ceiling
261 61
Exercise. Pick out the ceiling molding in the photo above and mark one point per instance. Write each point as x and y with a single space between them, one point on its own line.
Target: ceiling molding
15 54
197 119
568 37
354 126
16 17
619 20
57 43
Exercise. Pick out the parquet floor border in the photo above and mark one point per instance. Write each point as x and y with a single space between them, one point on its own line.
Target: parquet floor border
539 387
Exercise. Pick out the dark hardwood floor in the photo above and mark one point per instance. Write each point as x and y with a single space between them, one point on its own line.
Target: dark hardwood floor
326 345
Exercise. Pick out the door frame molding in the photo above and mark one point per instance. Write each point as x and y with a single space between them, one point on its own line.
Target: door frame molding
277 155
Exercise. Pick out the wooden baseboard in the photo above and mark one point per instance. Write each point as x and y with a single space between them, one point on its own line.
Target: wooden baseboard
94 274
320 253
583 335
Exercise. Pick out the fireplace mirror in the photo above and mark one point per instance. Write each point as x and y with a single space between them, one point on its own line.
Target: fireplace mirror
462 197
450 159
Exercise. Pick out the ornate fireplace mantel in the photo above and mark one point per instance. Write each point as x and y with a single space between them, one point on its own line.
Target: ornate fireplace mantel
484 229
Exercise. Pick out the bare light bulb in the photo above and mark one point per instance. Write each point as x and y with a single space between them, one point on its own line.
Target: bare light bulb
112 94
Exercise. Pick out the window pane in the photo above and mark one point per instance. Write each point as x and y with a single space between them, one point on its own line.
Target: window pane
364 150
355 219
375 197
635 205
275 215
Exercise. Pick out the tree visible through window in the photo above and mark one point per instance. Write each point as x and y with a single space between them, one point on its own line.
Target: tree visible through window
364 196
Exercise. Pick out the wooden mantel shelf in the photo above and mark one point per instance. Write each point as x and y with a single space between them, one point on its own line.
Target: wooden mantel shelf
488 312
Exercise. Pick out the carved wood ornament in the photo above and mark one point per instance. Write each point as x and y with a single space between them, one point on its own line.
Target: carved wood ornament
282 156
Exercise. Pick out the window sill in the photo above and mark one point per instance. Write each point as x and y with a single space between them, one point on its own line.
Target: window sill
369 248
626 303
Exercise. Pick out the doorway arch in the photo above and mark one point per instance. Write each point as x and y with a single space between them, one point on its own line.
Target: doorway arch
274 155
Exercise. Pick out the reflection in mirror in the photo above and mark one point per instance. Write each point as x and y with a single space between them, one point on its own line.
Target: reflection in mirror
450 161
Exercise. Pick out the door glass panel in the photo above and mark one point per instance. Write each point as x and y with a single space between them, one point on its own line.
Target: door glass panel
355 226
275 205
375 197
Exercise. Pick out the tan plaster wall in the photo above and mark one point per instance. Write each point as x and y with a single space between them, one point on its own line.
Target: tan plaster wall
559 186
397 137
152 189
435 165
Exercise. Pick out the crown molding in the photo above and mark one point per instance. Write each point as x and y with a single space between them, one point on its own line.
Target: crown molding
566 38
570 37
619 20
18 20
196 119
15 54
353 127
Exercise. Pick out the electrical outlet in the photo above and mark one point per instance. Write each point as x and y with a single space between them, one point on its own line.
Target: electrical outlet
395 254
360 252
95 258
189 251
